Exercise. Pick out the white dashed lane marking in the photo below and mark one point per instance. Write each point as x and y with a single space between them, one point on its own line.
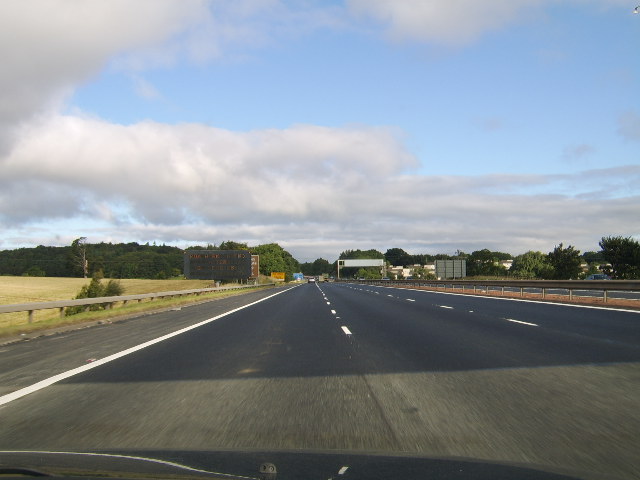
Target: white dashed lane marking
522 323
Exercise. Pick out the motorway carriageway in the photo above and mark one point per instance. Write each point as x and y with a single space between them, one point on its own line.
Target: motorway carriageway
341 367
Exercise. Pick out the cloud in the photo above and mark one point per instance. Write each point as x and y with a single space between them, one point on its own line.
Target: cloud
577 153
173 174
49 47
629 126
453 22
309 188
315 190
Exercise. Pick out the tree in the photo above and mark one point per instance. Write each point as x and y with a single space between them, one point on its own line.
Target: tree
623 253
422 273
317 267
368 274
230 245
566 262
96 289
273 258
531 265
34 271
79 256
486 262
398 257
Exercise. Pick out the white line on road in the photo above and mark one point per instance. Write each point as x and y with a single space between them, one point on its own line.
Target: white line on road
346 330
9 397
342 470
446 306
523 323
333 311
410 300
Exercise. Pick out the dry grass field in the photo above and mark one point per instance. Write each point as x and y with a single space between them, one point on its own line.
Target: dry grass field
41 289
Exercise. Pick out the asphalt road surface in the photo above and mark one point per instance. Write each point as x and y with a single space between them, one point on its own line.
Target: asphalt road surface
341 367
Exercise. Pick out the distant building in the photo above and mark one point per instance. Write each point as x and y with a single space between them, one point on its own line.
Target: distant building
506 263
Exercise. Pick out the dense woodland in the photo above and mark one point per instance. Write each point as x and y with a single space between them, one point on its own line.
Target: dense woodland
618 257
127 260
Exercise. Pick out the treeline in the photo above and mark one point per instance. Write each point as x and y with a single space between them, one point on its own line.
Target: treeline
119 260
127 260
618 257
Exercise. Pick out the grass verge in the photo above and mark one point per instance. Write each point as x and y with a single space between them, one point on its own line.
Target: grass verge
50 319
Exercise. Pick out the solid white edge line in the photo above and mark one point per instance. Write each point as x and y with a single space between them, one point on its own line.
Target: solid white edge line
125 457
559 304
342 470
10 397
346 330
523 323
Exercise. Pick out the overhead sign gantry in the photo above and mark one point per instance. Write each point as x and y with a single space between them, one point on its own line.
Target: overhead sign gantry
361 262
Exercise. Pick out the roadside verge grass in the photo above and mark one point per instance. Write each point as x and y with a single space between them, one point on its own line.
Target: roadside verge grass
35 289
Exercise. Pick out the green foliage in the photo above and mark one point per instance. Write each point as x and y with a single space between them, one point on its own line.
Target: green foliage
486 262
229 245
398 257
531 265
273 258
78 260
317 267
34 271
368 274
421 273
359 254
594 257
623 253
96 289
129 260
565 262
356 254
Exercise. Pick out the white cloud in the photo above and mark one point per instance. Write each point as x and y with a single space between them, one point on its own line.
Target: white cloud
48 47
453 22
305 187
313 189
171 174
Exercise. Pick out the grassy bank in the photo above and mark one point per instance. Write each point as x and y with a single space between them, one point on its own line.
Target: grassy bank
41 289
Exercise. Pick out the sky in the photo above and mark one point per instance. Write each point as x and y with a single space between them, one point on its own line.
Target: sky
427 125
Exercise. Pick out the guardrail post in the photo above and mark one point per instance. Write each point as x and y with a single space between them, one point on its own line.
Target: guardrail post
61 312
544 292
522 291
605 296
30 316
570 294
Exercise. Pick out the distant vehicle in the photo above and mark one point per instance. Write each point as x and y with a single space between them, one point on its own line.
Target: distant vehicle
598 276
311 280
